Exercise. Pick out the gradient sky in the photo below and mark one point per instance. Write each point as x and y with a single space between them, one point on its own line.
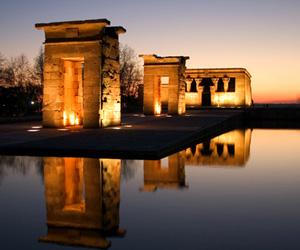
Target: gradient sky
260 35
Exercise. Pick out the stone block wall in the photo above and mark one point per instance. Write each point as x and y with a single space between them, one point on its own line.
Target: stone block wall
82 80
56 92
110 110
242 96
155 68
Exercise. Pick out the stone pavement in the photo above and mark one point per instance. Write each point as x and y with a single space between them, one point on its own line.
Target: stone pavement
139 137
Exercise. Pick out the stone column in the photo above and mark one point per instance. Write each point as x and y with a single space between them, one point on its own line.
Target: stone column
198 82
199 89
215 81
188 82
213 89
212 94
226 82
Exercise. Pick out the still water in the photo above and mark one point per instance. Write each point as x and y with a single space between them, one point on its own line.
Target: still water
240 190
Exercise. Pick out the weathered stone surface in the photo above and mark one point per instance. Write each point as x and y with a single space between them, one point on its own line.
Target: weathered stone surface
155 68
110 113
81 71
227 97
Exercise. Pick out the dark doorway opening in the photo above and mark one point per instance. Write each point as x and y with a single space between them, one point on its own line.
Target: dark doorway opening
206 95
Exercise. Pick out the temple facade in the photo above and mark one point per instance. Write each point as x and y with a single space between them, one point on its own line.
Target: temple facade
168 84
81 74
229 87
223 87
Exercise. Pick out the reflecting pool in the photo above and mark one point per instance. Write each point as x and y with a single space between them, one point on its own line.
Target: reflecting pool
239 190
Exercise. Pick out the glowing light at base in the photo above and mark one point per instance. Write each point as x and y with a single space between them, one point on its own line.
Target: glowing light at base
36 127
226 99
157 109
70 118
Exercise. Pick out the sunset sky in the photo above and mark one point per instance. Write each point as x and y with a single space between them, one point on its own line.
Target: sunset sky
260 35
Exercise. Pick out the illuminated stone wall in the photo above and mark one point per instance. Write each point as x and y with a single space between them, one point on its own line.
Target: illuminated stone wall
229 87
156 70
165 173
81 74
239 96
110 113
229 149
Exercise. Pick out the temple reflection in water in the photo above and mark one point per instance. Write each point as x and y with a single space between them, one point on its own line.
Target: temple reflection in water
229 149
83 195
165 173
82 200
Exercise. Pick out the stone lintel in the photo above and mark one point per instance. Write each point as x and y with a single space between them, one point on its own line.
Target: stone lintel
75 23
159 60
116 29
223 71
78 31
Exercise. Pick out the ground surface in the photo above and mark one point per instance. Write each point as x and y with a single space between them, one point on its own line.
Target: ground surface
139 137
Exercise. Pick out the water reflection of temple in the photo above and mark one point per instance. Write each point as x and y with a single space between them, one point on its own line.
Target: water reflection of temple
82 200
229 149
165 173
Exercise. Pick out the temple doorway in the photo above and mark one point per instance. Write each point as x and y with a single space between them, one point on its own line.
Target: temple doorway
206 94
73 92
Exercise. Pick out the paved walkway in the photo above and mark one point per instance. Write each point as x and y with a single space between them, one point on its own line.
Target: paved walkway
139 136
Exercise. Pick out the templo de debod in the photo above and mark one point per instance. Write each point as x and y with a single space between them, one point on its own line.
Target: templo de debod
167 82
82 78
81 74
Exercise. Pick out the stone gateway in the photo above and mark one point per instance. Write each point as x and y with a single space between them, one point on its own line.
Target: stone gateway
81 74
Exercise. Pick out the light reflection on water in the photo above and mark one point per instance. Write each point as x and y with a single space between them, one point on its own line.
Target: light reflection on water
239 190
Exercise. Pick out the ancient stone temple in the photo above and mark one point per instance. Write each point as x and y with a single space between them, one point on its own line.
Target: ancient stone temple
228 87
81 74
82 200
164 79
167 83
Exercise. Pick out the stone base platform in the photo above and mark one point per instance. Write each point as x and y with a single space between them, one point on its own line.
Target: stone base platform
139 137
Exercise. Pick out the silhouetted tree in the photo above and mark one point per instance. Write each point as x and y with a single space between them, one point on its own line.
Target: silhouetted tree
22 72
20 87
130 73
39 66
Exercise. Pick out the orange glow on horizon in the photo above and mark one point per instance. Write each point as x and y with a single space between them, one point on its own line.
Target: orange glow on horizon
276 97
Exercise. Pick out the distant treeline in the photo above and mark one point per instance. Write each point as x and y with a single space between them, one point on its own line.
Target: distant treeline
20 100
21 85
